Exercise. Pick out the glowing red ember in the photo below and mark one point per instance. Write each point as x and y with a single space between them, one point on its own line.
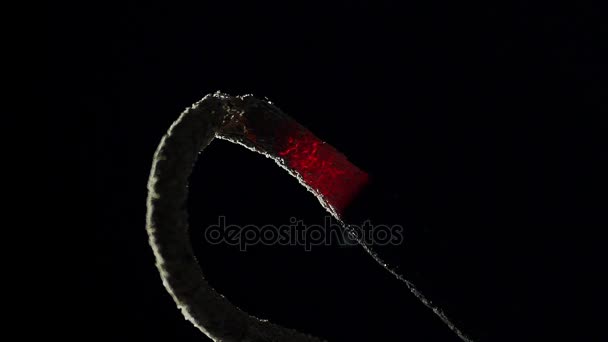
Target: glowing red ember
320 165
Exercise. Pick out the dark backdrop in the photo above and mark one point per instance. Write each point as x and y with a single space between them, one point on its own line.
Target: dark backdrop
487 118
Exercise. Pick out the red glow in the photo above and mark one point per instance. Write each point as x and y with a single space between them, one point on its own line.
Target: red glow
321 166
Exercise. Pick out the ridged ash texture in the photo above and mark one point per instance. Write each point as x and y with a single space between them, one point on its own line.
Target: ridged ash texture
167 227
261 127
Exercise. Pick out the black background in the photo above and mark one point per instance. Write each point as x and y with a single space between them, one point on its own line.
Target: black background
488 119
